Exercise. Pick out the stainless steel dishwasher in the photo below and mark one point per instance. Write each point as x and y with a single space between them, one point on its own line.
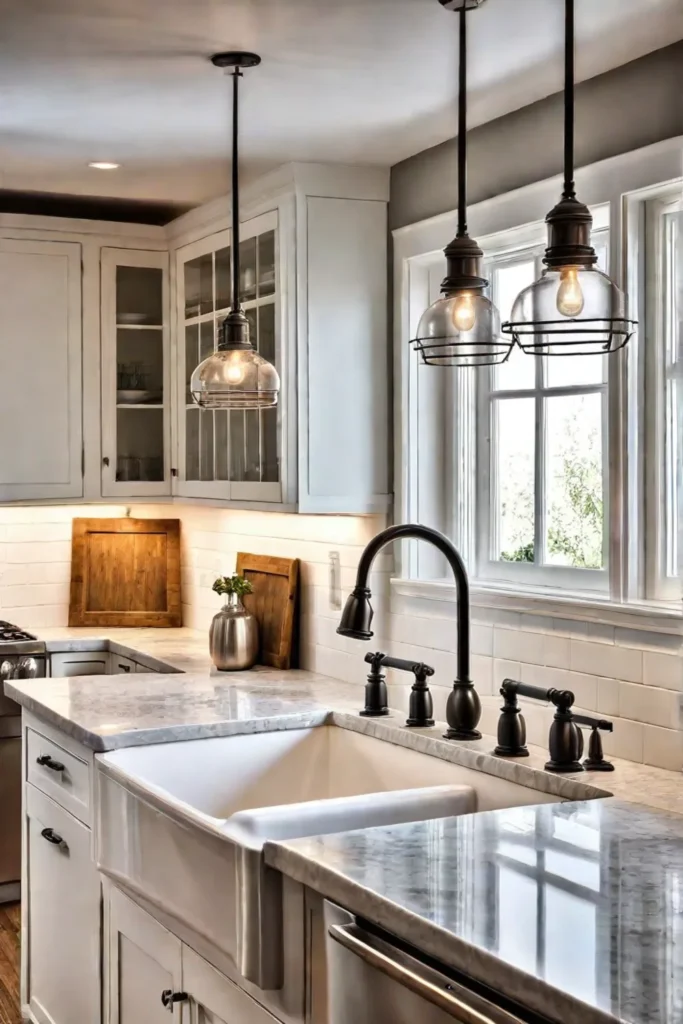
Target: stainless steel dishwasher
370 980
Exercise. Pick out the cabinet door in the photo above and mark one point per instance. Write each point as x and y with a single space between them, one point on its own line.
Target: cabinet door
215 999
135 373
233 454
62 912
40 356
143 964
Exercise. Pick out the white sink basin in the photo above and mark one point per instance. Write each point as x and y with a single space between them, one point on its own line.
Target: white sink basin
182 825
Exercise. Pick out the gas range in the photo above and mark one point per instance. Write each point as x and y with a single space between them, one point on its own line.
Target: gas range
14 640
22 656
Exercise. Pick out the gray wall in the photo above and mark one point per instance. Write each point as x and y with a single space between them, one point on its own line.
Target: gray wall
632 106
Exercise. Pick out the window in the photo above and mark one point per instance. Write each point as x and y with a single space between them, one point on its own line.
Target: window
542 453
553 474
664 420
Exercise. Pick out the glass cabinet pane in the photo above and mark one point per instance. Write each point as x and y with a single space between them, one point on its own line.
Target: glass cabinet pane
248 269
139 295
266 264
237 445
137 397
140 444
223 286
199 286
192 443
139 367
191 357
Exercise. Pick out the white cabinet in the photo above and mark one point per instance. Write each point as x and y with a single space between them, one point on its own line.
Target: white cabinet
118 665
143 967
313 258
216 1000
62 912
135 373
151 973
40 356
230 455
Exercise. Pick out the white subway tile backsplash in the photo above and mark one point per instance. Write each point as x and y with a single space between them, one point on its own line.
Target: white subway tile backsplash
626 741
600 632
556 650
482 673
648 704
663 748
664 670
604 666
608 697
603 659
516 645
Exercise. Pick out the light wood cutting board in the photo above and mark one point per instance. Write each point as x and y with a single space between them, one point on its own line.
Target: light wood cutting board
125 572
275 582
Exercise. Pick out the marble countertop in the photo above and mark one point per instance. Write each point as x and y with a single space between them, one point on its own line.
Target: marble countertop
573 910
576 909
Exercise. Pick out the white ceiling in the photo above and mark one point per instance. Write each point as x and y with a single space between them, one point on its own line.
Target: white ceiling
341 80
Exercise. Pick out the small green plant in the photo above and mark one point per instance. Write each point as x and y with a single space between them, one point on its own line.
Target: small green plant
234 584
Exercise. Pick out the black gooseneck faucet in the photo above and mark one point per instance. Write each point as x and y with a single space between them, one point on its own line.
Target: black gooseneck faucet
463 708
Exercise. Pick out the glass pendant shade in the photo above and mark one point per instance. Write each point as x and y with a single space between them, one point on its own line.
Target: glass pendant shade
235 376
462 329
235 379
570 310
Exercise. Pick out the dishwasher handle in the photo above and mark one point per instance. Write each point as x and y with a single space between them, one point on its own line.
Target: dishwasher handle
349 936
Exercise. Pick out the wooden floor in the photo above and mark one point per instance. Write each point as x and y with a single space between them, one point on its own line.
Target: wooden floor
9 964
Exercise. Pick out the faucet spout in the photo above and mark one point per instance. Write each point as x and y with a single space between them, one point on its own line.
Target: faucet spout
463 709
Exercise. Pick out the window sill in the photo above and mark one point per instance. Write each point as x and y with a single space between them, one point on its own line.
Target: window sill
651 616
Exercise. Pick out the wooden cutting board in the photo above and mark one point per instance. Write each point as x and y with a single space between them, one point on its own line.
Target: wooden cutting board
273 602
125 572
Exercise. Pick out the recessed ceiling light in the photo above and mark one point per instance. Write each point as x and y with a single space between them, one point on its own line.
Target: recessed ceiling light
103 165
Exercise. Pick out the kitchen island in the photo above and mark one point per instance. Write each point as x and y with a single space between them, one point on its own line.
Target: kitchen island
570 909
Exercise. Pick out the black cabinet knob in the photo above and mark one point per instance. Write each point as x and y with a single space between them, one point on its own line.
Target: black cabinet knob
124 668
169 997
48 762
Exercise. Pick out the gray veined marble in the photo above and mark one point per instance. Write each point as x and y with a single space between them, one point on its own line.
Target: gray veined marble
574 910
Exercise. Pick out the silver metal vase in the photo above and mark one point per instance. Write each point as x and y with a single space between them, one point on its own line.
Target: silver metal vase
233 636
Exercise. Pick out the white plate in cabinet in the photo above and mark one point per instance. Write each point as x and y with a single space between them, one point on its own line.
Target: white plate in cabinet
59 774
143 964
61 960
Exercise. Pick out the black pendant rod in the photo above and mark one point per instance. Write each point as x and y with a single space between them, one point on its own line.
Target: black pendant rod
569 186
462 126
236 75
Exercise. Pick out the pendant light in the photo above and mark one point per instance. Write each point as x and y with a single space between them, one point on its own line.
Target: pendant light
573 308
462 328
235 376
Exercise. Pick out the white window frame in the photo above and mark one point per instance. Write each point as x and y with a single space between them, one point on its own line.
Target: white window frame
486 567
663 580
622 184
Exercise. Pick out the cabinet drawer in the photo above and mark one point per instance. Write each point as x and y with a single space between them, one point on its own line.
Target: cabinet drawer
61 891
59 773
79 663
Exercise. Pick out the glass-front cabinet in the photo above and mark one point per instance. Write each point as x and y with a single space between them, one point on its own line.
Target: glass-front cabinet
233 455
135 373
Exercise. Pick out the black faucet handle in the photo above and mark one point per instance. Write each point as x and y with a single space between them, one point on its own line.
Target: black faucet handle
594 723
374 658
595 762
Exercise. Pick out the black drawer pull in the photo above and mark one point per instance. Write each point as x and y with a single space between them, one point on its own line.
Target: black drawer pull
169 997
48 762
124 668
54 838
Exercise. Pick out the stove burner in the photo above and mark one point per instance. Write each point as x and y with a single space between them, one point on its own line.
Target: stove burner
12 634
